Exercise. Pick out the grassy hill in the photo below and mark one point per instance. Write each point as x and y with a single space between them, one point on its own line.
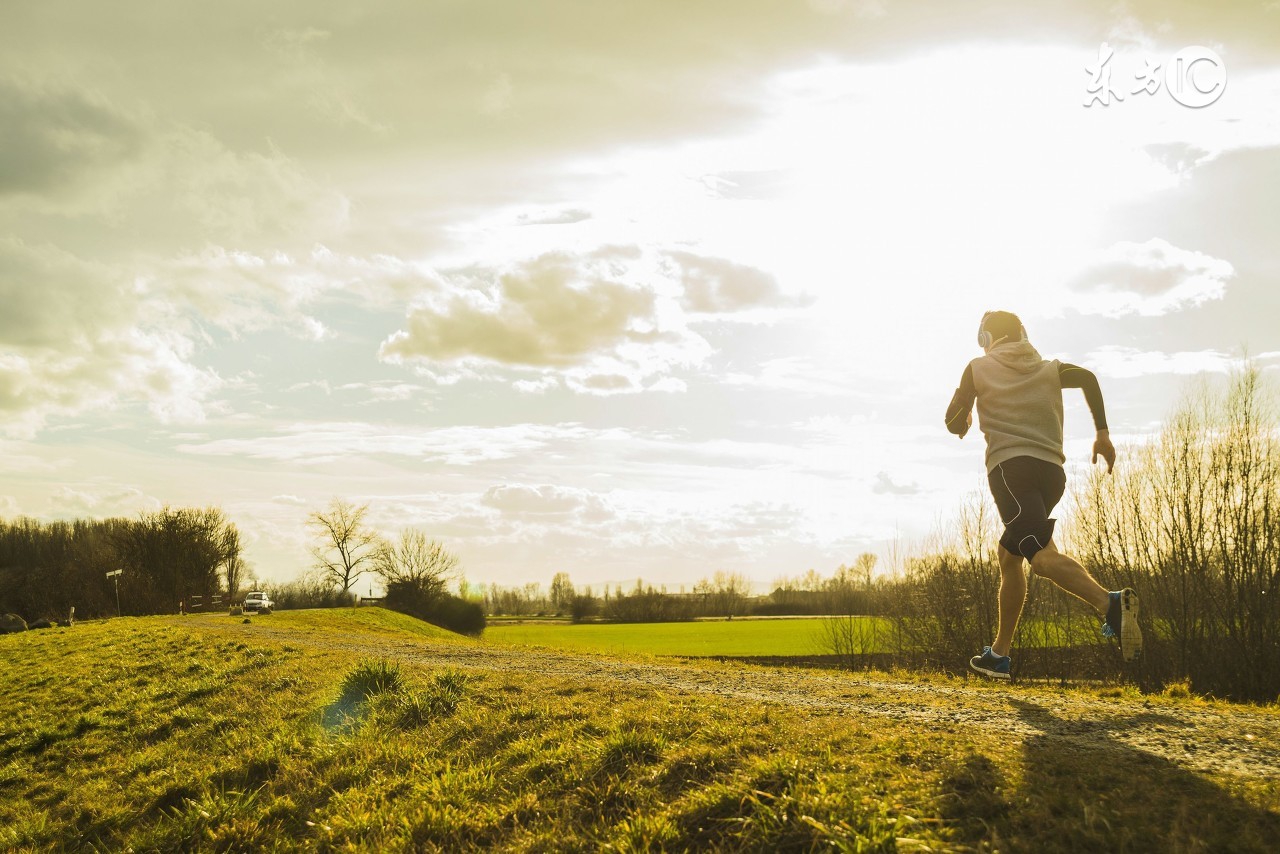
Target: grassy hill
367 730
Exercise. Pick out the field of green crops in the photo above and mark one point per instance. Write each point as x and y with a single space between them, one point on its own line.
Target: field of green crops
799 637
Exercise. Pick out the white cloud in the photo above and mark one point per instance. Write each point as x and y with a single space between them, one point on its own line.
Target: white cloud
720 286
244 291
324 442
595 319
885 485
51 297
98 500
556 310
56 137
241 196
547 500
25 458
1151 279
567 216
113 314
394 391
541 385
612 320
1128 362
74 153
745 533
625 535
77 337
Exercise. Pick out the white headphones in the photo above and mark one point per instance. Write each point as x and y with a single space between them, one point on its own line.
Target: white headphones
985 338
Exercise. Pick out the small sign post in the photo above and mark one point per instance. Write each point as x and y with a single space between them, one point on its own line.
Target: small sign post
115 576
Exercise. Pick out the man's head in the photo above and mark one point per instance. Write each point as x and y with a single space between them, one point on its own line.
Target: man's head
999 327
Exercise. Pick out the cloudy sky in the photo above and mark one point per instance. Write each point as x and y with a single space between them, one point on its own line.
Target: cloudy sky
616 288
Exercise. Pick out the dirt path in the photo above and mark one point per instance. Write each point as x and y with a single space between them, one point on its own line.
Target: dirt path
1215 737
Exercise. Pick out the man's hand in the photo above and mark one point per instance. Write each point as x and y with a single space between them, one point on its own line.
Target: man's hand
1102 445
967 424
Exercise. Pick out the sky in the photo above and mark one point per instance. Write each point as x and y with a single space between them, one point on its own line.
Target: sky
618 289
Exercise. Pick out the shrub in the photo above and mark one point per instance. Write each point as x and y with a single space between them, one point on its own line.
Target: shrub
440 609
368 681
440 700
457 615
371 678
582 606
1190 522
311 590
647 605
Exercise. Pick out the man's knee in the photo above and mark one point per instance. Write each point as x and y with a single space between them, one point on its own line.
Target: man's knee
1042 564
1010 563
1028 538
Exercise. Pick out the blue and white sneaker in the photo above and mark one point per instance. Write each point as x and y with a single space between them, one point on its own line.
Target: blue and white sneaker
991 665
1121 623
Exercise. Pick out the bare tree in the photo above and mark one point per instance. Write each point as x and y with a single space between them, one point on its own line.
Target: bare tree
851 631
1192 522
415 560
725 593
347 548
561 592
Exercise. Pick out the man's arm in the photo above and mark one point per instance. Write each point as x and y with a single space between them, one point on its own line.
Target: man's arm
1074 376
959 417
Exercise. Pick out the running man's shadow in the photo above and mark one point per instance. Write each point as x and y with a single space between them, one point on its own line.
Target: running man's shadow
1107 796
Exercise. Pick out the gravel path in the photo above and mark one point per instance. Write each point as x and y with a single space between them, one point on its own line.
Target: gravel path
1213 737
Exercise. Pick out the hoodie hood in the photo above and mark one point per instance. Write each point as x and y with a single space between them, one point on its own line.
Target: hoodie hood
1017 355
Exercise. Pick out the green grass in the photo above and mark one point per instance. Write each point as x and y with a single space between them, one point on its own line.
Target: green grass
799 637
786 638
357 620
163 735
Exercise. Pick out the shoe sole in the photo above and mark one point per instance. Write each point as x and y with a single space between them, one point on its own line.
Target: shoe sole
1130 632
990 674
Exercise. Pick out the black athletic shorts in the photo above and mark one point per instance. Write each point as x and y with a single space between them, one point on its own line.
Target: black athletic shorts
1026 490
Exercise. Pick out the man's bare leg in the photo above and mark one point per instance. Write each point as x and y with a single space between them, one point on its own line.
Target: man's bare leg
1013 593
1070 576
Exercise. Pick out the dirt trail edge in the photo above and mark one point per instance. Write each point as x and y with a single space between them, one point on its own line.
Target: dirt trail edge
1218 737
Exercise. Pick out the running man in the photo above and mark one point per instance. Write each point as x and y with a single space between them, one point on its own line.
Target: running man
1019 397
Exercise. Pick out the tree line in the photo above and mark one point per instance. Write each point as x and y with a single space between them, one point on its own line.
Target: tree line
183 558
165 557
722 594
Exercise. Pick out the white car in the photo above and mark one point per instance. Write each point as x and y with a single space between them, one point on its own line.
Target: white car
258 602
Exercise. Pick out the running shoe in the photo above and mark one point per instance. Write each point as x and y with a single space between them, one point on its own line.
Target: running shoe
991 665
1121 623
